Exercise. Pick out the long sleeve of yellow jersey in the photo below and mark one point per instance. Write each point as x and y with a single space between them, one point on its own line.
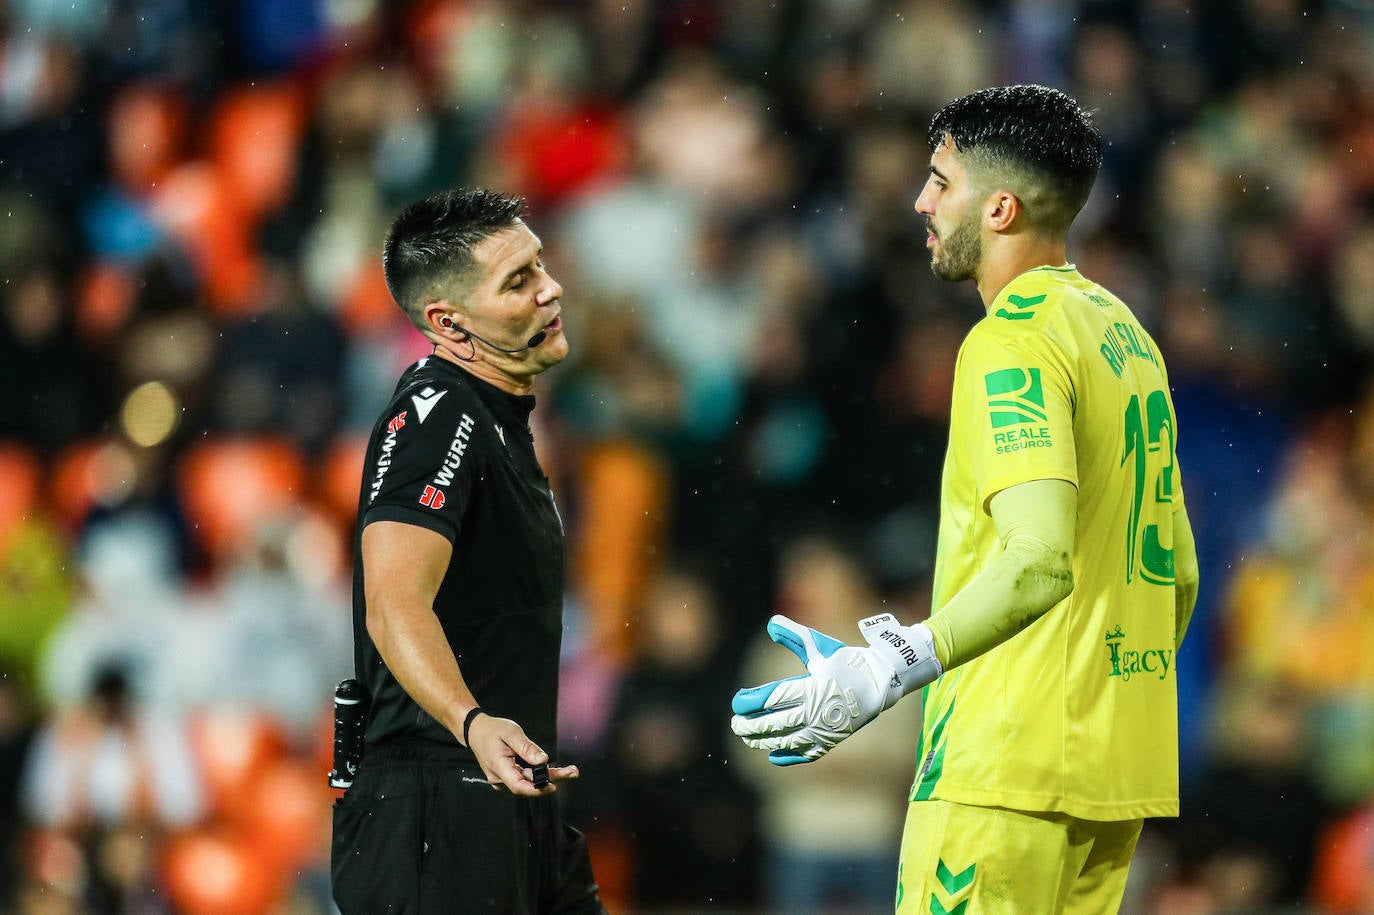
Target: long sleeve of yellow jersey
1035 523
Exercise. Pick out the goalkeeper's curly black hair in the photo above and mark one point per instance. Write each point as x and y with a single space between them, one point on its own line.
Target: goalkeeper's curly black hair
1036 141
428 251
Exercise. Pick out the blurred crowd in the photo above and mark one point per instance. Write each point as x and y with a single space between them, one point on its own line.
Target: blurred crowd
195 337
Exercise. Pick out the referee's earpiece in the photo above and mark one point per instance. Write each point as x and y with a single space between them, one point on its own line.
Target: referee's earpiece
449 324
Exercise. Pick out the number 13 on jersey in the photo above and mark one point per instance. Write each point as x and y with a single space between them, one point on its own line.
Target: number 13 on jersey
1150 442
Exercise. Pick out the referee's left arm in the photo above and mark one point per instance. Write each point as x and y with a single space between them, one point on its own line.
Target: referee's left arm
403 567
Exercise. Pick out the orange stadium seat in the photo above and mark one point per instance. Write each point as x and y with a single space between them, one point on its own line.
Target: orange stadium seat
612 855
254 137
624 508
287 812
19 486
105 300
1343 881
197 207
367 305
229 486
212 872
147 135
85 474
232 747
342 475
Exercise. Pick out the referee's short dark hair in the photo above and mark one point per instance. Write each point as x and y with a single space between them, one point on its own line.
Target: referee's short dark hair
428 251
1037 140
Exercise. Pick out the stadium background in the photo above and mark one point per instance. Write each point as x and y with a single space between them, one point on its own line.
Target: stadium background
195 337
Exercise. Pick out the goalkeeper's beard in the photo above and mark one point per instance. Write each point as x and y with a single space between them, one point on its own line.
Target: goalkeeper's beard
960 253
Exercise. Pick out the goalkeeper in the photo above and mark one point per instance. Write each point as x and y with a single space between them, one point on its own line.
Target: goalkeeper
1065 572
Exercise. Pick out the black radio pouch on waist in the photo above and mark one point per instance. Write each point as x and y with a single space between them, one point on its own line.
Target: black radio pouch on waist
351 704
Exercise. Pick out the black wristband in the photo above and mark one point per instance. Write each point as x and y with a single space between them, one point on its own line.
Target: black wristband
467 722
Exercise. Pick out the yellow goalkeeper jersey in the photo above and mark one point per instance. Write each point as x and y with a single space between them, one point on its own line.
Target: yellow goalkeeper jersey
1078 712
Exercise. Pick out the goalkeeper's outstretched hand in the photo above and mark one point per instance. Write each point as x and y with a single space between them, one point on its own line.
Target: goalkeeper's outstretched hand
800 719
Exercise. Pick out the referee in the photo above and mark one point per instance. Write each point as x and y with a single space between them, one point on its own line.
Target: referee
457 591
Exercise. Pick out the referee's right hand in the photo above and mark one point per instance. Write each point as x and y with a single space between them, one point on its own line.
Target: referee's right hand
500 746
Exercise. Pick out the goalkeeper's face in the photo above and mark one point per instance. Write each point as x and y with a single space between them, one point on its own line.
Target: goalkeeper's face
953 234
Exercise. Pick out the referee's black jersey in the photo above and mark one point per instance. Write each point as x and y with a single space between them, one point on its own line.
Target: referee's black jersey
455 455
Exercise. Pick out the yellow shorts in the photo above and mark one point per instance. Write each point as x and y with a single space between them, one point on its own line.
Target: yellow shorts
962 860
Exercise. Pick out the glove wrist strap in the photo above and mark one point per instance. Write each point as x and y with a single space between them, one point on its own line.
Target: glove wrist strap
910 650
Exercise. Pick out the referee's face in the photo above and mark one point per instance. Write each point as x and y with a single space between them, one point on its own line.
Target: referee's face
514 299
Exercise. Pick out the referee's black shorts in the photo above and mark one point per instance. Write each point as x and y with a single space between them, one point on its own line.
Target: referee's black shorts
419 833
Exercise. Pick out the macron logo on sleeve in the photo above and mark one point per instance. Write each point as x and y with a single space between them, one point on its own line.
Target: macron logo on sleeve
425 401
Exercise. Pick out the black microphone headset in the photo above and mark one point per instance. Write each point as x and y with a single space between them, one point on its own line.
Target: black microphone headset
531 343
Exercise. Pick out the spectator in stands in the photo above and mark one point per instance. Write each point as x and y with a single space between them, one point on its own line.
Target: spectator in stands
110 760
689 819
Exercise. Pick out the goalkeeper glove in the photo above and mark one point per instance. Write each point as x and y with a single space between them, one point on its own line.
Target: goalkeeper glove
800 719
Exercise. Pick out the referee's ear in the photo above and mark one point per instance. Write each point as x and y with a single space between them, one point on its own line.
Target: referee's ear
442 323
437 319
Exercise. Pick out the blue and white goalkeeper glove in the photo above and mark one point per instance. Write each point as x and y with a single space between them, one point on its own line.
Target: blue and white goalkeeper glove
800 719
